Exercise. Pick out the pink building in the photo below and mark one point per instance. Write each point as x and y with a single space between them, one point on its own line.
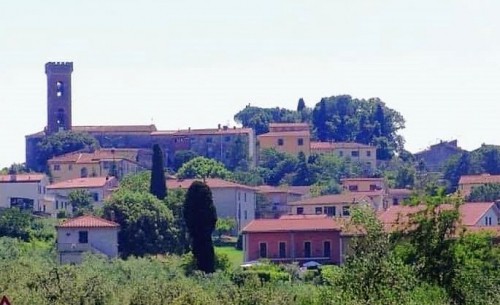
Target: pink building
298 238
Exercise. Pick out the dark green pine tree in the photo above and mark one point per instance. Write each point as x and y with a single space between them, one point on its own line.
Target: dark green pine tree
200 217
158 186
301 105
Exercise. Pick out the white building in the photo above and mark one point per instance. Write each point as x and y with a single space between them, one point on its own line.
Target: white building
57 193
24 191
231 199
86 234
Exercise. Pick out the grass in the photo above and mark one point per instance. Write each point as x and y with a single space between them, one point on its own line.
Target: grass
235 256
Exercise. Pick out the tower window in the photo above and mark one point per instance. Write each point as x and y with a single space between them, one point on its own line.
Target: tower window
59 89
60 119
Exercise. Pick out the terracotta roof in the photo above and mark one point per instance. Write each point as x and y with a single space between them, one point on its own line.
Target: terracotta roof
338 145
294 224
351 197
286 133
470 212
116 129
268 189
208 131
212 183
97 156
88 221
480 179
21 178
361 179
272 125
406 192
89 182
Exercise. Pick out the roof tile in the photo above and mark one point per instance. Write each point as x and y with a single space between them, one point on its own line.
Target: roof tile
88 221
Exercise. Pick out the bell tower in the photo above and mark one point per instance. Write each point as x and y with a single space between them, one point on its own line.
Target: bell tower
58 96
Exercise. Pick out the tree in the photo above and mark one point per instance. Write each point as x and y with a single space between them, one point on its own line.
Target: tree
15 223
15 168
201 217
201 167
183 156
301 105
259 118
61 143
405 177
225 226
145 223
158 183
81 202
485 193
303 175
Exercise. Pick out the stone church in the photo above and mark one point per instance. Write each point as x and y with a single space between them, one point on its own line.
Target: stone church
218 143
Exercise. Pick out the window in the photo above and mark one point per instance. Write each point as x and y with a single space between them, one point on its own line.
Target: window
227 139
245 197
327 250
57 205
318 210
353 188
70 167
282 248
395 201
39 189
59 89
239 196
263 250
369 164
84 173
57 167
300 142
209 140
307 249
341 153
83 237
373 187
346 211
368 153
245 214
354 153
300 210
487 221
95 196
280 142
330 211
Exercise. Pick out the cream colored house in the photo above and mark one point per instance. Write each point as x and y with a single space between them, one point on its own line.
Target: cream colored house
86 234
24 191
362 153
57 194
232 200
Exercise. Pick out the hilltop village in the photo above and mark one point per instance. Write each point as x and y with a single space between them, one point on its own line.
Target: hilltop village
288 187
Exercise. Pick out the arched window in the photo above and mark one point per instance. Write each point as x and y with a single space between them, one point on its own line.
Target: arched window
60 119
84 173
59 88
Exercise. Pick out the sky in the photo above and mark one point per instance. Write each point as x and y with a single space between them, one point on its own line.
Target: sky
181 64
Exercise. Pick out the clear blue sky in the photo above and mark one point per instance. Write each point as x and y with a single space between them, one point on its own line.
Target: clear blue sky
194 64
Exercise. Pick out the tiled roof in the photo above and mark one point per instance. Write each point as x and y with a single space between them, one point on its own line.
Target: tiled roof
208 131
268 189
97 156
470 212
88 221
212 183
286 133
116 129
292 224
279 125
351 197
479 179
23 178
337 145
89 182
361 179
404 192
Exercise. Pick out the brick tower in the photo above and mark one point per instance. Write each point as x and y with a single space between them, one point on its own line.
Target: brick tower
58 96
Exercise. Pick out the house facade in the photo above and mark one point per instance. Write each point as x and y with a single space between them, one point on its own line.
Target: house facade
362 153
231 200
435 157
290 138
274 200
468 182
24 191
298 238
86 234
398 196
98 187
98 163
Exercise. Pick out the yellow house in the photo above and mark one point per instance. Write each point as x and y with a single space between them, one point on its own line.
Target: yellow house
362 153
99 163
467 183
290 138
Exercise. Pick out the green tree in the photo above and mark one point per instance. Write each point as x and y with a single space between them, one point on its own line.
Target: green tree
183 156
301 105
485 193
303 175
225 226
15 223
15 168
158 183
259 118
139 182
201 167
145 223
201 217
405 177
61 143
81 202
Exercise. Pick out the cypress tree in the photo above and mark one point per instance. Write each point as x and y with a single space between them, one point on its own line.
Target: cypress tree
158 186
201 217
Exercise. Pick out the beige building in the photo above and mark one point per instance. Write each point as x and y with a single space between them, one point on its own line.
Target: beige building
274 199
290 138
99 163
364 154
24 191
232 200
57 194
363 184
86 234
398 196
467 183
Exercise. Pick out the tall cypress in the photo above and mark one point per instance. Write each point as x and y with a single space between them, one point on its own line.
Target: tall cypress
200 217
158 186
